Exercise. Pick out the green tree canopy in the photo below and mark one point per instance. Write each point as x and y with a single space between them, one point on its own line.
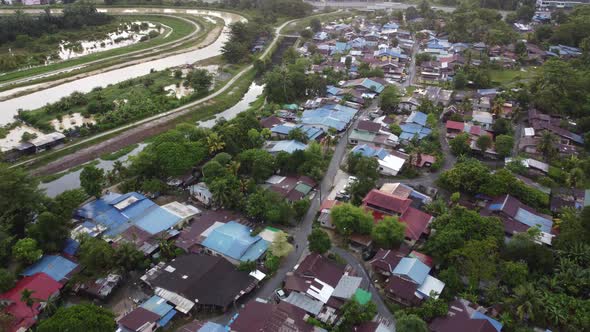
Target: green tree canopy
27 250
460 144
96 255
350 219
410 323
389 233
50 231
319 241
92 180
504 145
389 98
80 317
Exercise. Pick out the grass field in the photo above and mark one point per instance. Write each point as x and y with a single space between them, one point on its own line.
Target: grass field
511 76
180 28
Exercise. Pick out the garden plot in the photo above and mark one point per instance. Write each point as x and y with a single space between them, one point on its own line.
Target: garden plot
71 121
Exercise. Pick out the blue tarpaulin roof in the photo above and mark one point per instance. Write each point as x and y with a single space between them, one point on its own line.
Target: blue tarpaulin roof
368 151
418 118
71 247
54 266
139 211
234 240
409 130
288 146
157 305
212 327
167 318
478 315
333 116
412 268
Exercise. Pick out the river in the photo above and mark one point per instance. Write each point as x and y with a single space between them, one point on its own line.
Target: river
72 180
9 108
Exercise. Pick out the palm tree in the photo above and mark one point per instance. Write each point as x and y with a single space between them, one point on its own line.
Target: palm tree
574 177
26 296
498 104
526 300
547 145
233 167
215 143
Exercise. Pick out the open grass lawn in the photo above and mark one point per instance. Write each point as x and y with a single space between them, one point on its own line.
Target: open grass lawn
174 29
511 76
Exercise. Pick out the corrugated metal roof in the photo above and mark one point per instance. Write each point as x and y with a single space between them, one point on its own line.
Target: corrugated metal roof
233 240
304 302
56 267
157 305
347 286
532 220
412 268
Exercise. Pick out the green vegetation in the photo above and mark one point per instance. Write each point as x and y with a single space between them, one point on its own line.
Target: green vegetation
80 317
122 103
507 77
178 28
118 154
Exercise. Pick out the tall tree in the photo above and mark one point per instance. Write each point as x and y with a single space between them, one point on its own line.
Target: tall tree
50 231
389 233
92 180
389 98
80 317
27 251
410 323
547 145
319 241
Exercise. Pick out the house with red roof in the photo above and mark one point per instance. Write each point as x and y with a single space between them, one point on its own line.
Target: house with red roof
43 288
384 204
259 316
465 316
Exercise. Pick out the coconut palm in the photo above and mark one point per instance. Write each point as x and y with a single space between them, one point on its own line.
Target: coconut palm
215 143
526 300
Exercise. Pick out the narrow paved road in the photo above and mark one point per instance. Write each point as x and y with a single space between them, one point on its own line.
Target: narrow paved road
367 283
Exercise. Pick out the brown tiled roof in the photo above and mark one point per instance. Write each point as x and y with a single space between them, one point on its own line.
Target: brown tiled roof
319 267
270 122
369 126
459 319
271 317
137 318
389 202
416 222
402 288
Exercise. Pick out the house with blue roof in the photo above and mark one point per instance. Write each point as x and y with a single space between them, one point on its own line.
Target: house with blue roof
311 133
410 282
58 268
388 164
235 242
341 47
518 217
329 116
288 146
365 85
415 126
114 213
320 36
389 54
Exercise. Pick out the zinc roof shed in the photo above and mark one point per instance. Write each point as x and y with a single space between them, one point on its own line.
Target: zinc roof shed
413 269
417 117
234 240
157 305
56 267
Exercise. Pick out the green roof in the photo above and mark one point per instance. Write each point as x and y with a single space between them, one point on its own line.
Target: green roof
363 297
303 188
360 135
291 107
272 229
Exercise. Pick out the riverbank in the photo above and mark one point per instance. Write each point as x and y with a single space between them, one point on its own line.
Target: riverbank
178 29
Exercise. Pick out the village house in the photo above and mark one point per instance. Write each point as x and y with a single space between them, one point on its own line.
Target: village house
389 164
200 282
518 217
367 132
465 316
410 282
320 287
263 316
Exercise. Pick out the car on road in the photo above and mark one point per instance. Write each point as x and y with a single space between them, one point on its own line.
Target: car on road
351 180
